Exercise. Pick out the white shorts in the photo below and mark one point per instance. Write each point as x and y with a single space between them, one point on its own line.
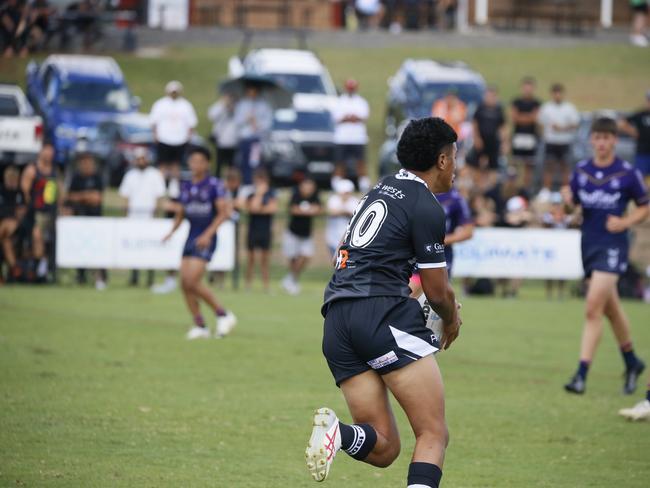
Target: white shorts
294 246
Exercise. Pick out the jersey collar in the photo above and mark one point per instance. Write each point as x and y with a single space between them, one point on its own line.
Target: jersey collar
404 174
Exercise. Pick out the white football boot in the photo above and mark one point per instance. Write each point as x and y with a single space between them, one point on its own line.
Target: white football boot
324 443
225 325
198 333
640 411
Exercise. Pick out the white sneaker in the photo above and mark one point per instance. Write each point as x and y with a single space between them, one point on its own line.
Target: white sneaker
167 286
225 324
640 411
639 40
198 333
100 285
290 286
324 443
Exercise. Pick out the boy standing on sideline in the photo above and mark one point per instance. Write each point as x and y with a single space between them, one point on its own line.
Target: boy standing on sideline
298 241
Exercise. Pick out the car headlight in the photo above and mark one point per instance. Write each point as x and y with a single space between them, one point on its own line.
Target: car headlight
65 131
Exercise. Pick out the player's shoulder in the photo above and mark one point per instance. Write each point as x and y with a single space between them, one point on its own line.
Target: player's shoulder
583 165
403 188
627 166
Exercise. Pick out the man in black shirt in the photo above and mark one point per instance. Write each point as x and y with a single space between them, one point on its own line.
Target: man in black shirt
524 110
375 337
488 125
12 211
638 126
298 243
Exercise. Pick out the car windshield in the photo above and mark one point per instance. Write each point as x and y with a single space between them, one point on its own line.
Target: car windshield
94 96
288 119
297 83
8 106
469 93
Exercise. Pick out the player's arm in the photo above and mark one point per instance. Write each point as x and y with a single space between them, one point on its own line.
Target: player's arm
639 194
26 182
441 297
179 214
626 127
462 233
224 210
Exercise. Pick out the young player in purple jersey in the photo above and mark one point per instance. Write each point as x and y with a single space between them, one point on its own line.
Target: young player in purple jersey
603 187
202 202
459 227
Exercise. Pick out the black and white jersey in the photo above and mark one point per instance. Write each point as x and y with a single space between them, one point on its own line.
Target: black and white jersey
398 223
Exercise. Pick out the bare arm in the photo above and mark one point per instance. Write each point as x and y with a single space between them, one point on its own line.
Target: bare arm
621 224
26 182
178 220
462 233
442 299
627 128
223 213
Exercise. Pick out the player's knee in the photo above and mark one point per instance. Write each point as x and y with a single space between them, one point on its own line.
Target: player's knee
436 433
387 456
593 310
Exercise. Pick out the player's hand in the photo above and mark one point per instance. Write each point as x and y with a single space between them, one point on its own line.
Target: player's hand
203 241
615 224
450 332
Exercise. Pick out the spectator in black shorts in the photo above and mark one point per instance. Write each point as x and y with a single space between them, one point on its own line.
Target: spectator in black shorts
261 205
84 199
488 130
523 112
12 211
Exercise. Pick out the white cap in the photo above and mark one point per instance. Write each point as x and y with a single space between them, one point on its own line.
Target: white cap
173 86
343 186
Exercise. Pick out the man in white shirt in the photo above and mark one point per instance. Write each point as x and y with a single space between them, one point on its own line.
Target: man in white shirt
224 131
350 115
559 120
340 207
142 186
173 120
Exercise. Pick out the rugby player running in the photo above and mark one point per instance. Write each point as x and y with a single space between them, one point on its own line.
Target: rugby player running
375 337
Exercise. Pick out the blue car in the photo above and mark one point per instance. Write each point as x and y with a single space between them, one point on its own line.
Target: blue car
74 94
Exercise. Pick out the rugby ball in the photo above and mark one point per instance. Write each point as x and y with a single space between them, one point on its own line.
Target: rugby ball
431 318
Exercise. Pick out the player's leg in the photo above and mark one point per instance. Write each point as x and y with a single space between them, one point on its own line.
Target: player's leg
419 390
265 255
250 266
190 274
599 290
621 328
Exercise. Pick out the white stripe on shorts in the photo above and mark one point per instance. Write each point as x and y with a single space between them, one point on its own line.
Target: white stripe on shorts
411 343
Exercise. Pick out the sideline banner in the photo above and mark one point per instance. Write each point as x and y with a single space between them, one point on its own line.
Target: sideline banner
124 243
519 253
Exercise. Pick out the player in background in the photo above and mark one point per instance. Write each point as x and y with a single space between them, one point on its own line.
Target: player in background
640 411
459 227
375 339
202 202
603 187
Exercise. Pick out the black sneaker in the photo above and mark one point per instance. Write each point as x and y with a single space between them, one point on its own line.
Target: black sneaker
631 376
576 385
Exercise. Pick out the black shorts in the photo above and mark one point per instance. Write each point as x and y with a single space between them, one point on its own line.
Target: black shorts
556 152
170 154
380 333
258 239
477 159
350 152
609 259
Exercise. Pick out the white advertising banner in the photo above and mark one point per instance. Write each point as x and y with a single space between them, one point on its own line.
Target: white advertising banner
123 243
519 253
169 14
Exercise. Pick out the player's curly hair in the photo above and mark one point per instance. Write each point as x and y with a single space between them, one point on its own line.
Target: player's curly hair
199 149
422 142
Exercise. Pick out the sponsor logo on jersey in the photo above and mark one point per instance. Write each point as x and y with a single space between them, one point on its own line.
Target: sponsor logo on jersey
392 192
599 198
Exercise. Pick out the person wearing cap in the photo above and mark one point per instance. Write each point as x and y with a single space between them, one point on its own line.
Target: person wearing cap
638 126
84 198
142 187
340 208
351 136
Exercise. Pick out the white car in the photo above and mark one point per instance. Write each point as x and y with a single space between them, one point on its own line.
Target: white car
21 132
298 71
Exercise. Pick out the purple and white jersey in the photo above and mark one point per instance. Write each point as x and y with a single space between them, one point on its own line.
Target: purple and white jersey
605 191
198 202
457 214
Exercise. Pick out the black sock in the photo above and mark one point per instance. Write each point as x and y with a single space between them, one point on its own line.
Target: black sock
424 474
583 369
628 356
357 440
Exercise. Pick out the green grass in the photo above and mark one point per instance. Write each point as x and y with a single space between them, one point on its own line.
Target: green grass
101 389
596 76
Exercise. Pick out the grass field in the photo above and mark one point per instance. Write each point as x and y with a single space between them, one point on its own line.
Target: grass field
101 390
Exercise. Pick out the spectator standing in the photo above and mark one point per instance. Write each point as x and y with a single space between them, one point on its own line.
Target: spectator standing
489 126
41 186
559 120
524 111
452 110
10 18
340 208
224 131
351 136
84 198
253 118
639 20
298 242
12 212
261 205
173 120
638 126
143 186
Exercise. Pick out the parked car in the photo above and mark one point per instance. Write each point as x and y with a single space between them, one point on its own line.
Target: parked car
298 71
300 142
74 94
21 132
412 92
